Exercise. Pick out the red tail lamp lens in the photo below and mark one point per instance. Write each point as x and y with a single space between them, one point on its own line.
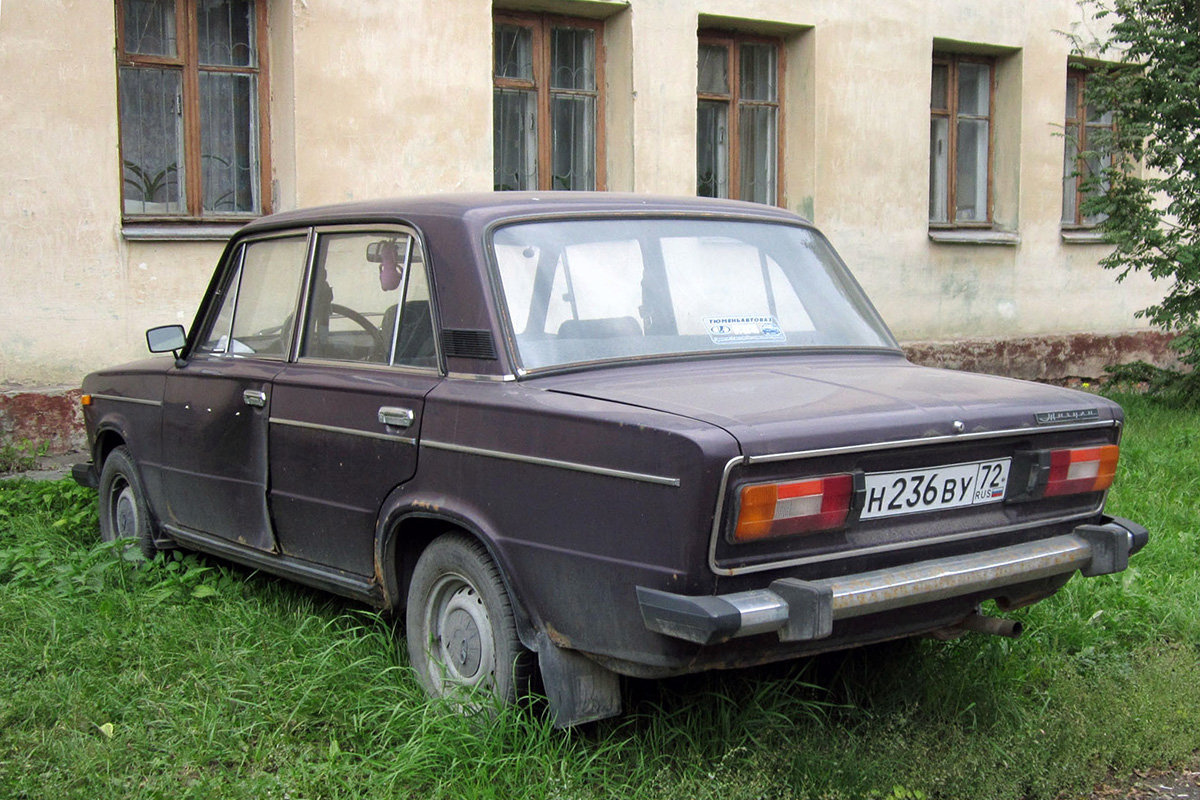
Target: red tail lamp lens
783 509
1085 469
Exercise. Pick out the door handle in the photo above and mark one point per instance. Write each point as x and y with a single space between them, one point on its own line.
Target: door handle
253 397
395 417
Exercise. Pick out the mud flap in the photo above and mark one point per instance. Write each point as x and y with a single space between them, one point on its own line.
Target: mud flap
579 689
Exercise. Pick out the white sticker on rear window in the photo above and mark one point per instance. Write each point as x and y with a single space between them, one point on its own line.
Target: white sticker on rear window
735 330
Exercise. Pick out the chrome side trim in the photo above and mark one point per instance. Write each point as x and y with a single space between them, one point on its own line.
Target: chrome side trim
506 377
312 426
552 462
957 437
135 400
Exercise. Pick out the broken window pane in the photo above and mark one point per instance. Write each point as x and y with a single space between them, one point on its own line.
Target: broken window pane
152 140
514 52
150 27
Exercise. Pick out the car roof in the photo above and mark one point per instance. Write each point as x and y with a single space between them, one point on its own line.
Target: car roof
483 208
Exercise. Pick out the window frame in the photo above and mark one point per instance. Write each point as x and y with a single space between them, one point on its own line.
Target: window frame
187 62
732 41
953 115
1079 122
540 25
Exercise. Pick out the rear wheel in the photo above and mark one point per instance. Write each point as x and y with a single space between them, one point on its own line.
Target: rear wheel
462 634
124 513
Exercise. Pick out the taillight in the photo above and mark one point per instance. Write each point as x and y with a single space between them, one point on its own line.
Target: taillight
783 509
1084 469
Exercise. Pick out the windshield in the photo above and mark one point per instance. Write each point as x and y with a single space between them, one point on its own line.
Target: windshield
597 290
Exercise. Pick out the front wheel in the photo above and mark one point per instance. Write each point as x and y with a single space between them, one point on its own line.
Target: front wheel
124 513
462 634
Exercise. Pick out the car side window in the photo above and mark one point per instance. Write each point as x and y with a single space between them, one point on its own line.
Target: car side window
218 338
414 338
355 310
267 290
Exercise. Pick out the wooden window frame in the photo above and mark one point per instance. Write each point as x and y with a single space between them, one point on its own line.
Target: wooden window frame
540 25
187 60
951 113
731 41
1079 122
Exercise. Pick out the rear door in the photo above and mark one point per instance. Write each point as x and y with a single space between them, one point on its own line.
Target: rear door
216 407
346 416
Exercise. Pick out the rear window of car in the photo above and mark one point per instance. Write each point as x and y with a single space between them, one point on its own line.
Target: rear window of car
578 291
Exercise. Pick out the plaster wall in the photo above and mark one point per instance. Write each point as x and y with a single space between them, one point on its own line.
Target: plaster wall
375 99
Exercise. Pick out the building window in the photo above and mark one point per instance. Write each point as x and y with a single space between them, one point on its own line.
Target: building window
738 118
960 141
191 77
548 105
1087 128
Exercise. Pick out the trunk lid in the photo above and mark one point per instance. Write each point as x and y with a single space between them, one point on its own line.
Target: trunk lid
787 404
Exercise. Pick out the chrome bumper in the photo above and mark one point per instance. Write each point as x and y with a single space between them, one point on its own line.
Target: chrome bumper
804 610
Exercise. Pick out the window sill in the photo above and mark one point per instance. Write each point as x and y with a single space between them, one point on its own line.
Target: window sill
179 232
989 236
1082 236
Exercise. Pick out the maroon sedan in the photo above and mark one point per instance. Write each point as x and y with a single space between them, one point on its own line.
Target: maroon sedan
590 435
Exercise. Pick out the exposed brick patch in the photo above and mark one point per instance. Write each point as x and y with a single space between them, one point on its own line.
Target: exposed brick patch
1054 359
43 415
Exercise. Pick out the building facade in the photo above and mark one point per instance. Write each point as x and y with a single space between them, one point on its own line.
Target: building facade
930 139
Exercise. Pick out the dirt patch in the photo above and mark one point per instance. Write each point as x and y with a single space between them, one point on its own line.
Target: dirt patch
50 467
1152 785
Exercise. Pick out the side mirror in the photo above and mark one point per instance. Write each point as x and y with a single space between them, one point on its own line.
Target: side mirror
166 339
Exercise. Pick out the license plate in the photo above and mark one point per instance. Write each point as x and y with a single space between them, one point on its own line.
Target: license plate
914 491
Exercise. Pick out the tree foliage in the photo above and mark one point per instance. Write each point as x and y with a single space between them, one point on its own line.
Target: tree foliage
1150 192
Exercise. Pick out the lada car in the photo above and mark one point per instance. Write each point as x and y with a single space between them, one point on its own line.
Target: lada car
576 436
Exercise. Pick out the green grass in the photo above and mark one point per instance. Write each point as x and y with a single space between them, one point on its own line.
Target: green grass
190 678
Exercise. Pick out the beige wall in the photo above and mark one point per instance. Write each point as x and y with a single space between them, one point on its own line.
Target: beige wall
382 98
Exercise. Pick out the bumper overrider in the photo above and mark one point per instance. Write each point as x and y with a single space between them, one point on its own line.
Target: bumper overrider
805 610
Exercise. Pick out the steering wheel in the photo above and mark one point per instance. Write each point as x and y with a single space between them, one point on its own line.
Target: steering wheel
379 345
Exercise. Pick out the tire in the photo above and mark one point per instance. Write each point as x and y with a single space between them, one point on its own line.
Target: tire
461 631
124 513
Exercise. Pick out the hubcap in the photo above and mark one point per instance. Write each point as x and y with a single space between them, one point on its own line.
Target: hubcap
462 652
124 510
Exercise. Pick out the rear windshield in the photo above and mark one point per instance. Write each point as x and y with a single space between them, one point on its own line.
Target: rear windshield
578 291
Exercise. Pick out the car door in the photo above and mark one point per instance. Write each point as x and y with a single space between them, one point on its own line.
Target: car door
346 416
216 405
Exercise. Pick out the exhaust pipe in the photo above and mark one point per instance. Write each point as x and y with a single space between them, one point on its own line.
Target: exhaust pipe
1008 628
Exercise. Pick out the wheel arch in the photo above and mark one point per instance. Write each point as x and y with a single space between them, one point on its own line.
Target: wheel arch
406 531
108 438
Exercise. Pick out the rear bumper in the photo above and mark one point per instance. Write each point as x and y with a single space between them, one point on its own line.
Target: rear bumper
806 610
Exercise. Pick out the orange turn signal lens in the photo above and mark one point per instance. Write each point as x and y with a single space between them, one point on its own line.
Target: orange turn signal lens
1084 469
783 509
85 400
